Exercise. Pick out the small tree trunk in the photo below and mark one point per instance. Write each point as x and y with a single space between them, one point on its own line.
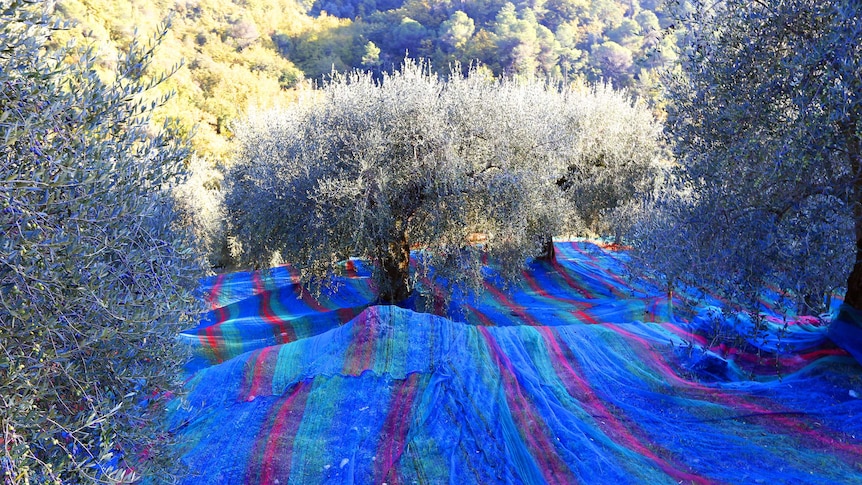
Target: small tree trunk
548 252
853 297
670 299
395 268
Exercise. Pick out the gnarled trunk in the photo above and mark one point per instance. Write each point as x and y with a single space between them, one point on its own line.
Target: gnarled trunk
395 272
548 252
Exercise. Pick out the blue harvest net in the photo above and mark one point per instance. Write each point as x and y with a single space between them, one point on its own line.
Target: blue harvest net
576 374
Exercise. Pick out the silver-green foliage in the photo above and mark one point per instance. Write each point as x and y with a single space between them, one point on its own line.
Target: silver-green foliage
366 168
765 123
95 275
200 206
616 159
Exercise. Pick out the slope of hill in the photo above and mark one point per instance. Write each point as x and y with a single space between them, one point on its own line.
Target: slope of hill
576 376
230 60
251 54
619 41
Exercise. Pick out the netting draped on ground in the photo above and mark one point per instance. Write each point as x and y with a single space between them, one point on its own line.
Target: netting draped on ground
576 375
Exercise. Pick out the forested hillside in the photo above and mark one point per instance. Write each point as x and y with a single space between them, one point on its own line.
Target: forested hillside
230 62
618 41
243 54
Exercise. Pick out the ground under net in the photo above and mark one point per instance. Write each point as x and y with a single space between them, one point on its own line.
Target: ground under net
577 374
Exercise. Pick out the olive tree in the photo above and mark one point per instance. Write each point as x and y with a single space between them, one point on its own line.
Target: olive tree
765 123
523 126
600 148
375 169
615 160
200 208
96 277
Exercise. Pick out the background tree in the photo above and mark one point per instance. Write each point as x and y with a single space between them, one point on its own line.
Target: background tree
457 30
617 156
96 276
522 126
765 124
371 58
613 61
199 203
371 169
600 147
244 32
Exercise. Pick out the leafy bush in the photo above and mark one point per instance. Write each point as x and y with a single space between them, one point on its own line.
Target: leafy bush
96 276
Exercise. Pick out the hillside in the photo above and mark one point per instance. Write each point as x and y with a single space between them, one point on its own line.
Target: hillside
252 54
230 62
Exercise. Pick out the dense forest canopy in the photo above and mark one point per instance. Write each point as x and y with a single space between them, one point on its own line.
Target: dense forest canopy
596 40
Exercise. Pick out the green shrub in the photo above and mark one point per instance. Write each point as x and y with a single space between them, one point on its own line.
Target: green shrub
96 276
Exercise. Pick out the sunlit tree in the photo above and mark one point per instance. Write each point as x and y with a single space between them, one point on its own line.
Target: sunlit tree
96 273
375 169
616 159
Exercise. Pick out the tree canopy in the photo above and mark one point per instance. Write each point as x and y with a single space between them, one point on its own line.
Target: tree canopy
617 158
96 276
764 120
374 169
370 169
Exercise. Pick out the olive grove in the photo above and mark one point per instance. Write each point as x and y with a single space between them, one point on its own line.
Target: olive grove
96 276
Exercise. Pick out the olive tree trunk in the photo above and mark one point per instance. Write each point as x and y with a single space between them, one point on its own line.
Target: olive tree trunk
548 252
395 271
853 297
